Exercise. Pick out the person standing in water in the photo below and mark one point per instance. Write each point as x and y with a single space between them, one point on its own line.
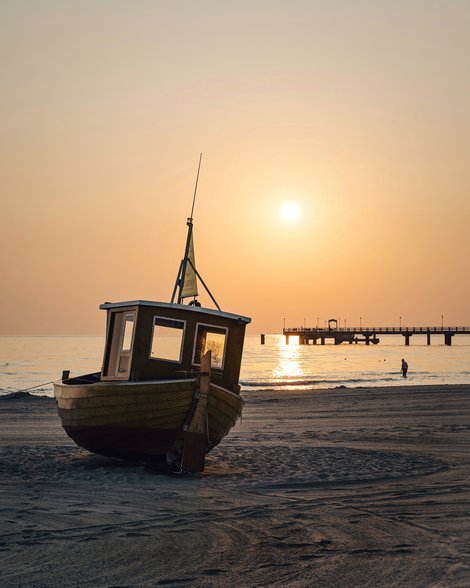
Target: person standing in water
404 367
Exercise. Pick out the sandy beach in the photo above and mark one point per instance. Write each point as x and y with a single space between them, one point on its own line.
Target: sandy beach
343 487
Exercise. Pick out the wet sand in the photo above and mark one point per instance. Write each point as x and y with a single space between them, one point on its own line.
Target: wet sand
344 487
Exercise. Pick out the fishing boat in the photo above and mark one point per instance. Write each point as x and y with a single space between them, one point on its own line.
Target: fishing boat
168 389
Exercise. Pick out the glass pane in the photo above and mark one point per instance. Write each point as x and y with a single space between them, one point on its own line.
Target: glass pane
167 340
128 331
216 343
213 339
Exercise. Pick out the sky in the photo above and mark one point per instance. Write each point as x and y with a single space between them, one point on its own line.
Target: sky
357 111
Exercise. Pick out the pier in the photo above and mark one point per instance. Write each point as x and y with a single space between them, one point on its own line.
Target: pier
368 335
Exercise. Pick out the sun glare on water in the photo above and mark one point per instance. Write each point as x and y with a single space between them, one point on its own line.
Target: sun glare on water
290 212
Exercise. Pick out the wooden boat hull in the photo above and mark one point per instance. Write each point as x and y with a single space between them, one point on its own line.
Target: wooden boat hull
143 420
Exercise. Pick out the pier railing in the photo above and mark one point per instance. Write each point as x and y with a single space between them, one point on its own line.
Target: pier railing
378 330
369 335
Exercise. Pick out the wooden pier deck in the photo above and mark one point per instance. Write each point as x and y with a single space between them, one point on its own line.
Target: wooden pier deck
369 335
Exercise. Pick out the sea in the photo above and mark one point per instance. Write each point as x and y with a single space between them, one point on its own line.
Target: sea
33 363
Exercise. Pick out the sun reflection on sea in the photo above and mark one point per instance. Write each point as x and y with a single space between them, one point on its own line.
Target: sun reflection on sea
288 361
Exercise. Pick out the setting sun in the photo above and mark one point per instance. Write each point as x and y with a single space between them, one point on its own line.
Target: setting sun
290 212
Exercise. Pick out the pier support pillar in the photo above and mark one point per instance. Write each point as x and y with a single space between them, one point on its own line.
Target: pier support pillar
323 340
287 339
262 339
407 338
314 340
428 338
301 340
448 338
367 339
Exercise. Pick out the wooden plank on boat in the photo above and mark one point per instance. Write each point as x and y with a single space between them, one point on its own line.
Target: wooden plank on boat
195 437
220 424
217 390
139 402
228 407
144 419
112 389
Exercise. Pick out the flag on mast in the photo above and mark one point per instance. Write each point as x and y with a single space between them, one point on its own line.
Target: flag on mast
190 279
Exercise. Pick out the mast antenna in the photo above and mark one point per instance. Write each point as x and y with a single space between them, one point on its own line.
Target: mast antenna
180 279
195 187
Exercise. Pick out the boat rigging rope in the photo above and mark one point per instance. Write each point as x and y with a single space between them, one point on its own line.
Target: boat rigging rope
32 387
46 384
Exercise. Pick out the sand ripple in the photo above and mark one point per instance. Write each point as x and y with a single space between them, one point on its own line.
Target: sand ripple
266 467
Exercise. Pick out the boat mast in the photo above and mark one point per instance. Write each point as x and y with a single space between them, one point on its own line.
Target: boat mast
189 222
184 262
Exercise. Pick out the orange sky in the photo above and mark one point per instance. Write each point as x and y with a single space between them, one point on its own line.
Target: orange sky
358 111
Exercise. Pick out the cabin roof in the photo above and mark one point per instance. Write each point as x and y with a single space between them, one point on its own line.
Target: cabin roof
197 309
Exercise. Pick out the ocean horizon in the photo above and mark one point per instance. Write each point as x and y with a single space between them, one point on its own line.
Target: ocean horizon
35 361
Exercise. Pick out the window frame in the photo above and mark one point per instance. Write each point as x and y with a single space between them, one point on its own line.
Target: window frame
166 318
123 332
226 329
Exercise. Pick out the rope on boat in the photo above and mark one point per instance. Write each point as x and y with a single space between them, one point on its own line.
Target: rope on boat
32 387
39 386
51 382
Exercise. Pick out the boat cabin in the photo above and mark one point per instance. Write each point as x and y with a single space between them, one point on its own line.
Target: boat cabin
156 340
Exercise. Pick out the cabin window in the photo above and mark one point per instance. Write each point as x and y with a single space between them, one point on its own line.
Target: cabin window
167 339
127 332
210 338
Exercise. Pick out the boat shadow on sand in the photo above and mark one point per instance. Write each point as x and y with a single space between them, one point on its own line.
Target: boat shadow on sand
267 468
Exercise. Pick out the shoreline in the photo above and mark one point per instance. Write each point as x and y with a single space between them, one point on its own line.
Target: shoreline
331 487
246 393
